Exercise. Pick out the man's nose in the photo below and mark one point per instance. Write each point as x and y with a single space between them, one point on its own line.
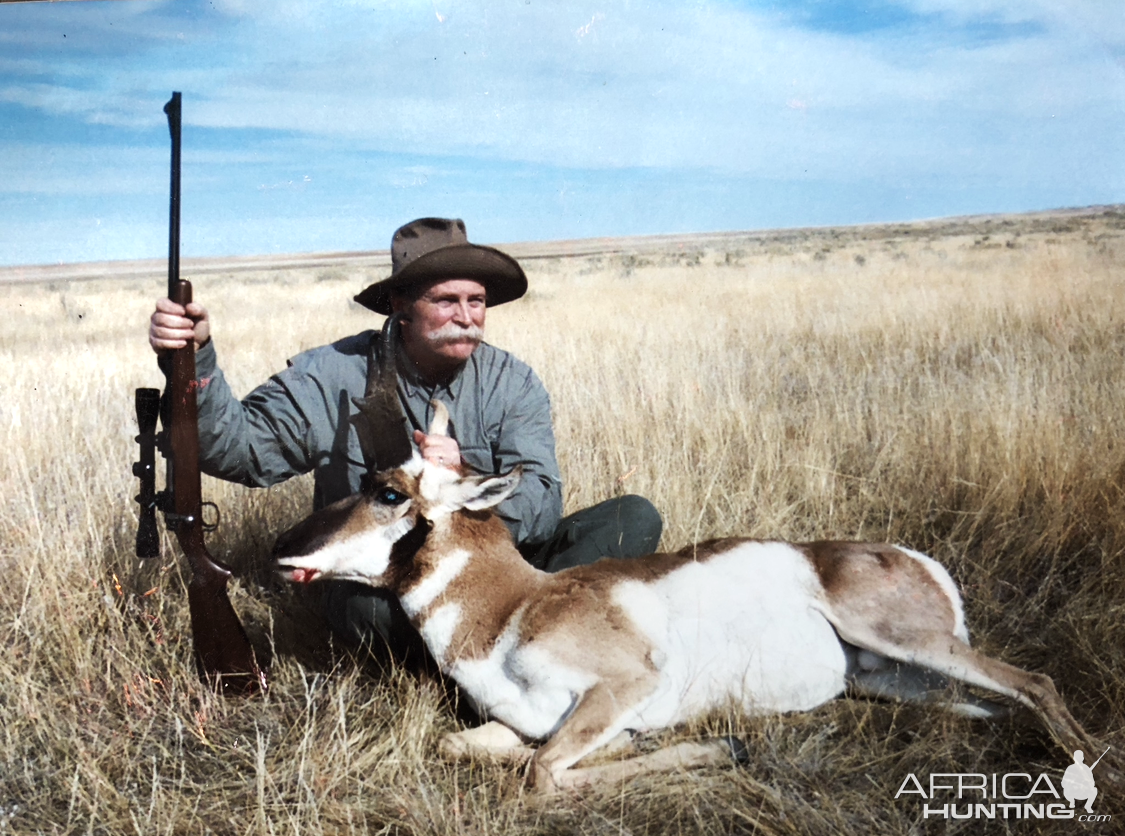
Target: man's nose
461 313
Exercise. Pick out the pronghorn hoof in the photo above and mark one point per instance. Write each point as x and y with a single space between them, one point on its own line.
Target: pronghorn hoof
739 751
491 741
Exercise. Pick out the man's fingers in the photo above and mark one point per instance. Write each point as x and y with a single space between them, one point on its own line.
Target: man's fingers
174 326
163 342
168 330
196 311
439 449
172 321
161 339
169 307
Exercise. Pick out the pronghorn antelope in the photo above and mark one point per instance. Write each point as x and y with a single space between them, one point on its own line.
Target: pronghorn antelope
576 658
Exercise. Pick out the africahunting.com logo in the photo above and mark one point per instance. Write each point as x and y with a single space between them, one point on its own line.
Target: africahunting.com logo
1013 795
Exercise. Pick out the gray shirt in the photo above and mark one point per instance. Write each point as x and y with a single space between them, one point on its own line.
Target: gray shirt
298 421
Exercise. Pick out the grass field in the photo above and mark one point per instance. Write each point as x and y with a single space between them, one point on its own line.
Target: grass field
956 387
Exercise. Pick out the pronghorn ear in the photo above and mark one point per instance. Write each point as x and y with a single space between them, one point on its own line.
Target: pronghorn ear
478 493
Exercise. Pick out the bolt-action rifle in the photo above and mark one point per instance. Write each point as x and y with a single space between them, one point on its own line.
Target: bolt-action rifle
222 650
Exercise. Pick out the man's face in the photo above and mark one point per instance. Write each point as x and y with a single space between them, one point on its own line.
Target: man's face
446 323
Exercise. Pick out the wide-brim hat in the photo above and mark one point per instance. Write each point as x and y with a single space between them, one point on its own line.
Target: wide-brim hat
436 249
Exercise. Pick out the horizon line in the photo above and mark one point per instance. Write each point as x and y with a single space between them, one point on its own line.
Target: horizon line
527 249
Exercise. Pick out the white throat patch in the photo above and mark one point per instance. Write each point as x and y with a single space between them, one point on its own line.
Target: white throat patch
438 630
430 587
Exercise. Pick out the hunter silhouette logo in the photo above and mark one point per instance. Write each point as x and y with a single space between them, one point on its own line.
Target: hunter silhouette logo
1078 781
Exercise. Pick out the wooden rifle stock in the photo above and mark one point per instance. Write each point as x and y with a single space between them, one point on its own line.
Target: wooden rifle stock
222 649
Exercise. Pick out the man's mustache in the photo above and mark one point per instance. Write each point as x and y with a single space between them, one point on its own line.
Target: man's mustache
454 333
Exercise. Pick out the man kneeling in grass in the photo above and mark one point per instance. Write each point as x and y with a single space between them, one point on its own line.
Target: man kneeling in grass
298 421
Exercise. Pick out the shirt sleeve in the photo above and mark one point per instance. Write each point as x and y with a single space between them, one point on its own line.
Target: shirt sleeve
259 441
527 439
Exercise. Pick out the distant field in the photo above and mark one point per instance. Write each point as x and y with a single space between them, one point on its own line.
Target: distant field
361 263
955 386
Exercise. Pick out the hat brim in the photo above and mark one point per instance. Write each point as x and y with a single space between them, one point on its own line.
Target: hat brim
501 275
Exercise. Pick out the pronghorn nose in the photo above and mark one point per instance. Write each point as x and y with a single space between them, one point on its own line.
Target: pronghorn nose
313 533
305 538
283 546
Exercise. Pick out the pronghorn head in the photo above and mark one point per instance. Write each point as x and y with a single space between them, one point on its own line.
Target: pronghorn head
372 536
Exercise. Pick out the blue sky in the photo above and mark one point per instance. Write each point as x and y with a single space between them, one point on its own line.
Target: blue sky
312 126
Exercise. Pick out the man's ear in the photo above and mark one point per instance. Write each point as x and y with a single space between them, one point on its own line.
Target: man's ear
400 304
477 493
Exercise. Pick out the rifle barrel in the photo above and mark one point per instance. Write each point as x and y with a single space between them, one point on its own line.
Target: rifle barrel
173 111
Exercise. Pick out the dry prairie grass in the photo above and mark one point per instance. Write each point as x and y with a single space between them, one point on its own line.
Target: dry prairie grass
954 387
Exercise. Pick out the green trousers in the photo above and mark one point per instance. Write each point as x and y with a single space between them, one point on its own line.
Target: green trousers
623 527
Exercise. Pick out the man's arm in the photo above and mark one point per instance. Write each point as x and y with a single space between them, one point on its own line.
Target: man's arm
285 427
234 442
259 441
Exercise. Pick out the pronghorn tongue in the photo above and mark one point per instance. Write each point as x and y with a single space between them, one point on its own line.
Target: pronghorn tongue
303 575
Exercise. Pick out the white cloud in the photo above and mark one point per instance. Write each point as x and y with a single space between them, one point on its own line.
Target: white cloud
584 84
591 85
706 87
96 108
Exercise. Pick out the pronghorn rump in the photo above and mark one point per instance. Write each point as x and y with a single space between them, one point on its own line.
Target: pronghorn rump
578 657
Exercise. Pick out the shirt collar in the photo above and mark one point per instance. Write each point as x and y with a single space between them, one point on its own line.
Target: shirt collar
413 385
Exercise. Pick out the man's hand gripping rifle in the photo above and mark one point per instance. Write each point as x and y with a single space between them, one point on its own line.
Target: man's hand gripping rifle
222 650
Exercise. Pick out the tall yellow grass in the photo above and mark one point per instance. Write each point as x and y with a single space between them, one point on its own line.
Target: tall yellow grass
956 388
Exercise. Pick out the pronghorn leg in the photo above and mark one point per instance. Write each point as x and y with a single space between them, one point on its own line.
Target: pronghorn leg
948 655
496 742
681 756
491 741
601 714
622 743
872 675
1035 690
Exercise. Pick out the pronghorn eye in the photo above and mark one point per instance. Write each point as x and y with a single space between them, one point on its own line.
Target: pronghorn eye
389 496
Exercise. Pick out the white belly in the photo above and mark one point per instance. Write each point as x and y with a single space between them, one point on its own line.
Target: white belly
740 627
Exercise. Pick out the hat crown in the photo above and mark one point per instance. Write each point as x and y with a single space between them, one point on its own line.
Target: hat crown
423 236
438 249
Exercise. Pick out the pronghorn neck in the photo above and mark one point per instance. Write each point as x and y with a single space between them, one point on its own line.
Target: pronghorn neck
468 579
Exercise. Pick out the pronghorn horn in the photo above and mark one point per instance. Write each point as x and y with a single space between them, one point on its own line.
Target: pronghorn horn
439 424
380 423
